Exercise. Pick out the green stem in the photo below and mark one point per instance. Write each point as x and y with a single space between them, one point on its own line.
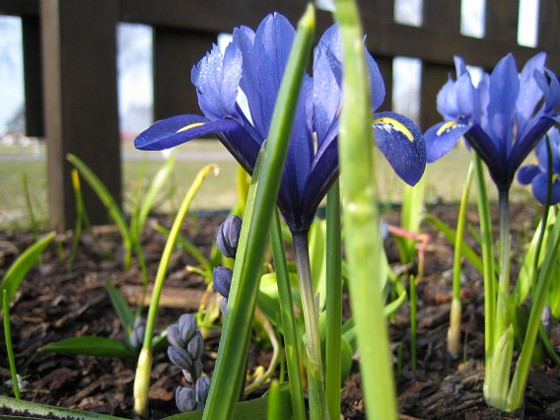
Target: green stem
487 243
144 366
8 340
517 388
502 306
333 303
454 332
317 402
413 301
288 320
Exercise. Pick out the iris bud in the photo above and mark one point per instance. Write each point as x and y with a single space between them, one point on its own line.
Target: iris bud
227 238
222 280
185 399
196 346
179 357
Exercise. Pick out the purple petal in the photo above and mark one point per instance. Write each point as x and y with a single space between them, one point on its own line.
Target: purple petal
527 173
530 93
216 79
525 145
443 137
504 89
157 136
273 42
540 189
403 145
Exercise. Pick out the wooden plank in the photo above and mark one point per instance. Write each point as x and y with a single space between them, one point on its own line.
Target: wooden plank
32 76
19 7
549 25
385 37
501 20
443 16
175 53
79 50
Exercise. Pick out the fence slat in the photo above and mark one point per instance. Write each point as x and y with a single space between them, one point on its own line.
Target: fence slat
443 16
175 52
549 25
33 84
81 116
501 21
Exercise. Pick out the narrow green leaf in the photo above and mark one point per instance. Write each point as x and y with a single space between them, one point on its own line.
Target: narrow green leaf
451 236
361 221
121 307
91 346
155 187
34 410
20 267
108 201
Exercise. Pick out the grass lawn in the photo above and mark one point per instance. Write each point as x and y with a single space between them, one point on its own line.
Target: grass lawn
444 181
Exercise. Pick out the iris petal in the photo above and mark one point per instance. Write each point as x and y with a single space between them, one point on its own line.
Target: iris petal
539 187
273 41
442 137
402 144
526 174
504 89
161 135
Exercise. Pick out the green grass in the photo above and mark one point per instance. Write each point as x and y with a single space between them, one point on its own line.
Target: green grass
444 181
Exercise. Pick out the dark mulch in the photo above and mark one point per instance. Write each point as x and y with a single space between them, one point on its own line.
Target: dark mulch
53 304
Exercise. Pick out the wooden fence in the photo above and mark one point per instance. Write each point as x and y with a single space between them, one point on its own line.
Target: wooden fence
71 76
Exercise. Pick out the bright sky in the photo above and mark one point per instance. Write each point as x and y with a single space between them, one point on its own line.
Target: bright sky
135 70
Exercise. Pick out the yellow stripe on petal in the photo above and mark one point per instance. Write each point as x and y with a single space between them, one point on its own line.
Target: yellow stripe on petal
447 126
392 124
188 127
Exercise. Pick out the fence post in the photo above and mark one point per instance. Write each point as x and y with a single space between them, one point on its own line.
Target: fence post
501 21
175 53
81 115
442 16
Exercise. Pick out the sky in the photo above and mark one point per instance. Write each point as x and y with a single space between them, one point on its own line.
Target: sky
135 70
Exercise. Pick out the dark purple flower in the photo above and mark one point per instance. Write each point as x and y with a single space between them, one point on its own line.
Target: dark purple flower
503 118
537 175
252 66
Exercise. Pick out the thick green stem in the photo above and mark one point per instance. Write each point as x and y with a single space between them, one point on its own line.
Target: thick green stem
487 243
288 321
502 307
333 304
317 402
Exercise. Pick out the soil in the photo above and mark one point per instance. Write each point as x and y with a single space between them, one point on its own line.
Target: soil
53 304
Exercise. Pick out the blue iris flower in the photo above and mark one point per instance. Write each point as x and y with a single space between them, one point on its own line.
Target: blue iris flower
537 175
251 68
503 118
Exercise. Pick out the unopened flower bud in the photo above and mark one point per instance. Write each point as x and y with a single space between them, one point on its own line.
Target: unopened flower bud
202 387
195 346
174 336
197 369
185 399
227 238
187 327
179 357
545 319
222 280
137 333
223 306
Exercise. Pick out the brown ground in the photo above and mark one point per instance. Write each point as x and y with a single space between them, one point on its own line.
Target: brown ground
52 305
